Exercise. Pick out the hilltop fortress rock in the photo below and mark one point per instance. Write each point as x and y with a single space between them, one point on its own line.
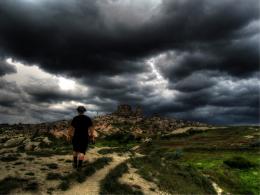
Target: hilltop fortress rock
125 110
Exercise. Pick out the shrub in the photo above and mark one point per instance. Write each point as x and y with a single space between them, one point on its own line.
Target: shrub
29 173
53 176
239 162
52 165
110 184
9 158
255 144
31 186
121 137
177 154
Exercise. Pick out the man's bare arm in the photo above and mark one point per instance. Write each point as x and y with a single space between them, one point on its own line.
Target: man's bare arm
70 133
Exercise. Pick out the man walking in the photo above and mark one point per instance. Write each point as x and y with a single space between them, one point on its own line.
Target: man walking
80 137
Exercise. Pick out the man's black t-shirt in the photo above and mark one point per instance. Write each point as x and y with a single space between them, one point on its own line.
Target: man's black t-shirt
81 123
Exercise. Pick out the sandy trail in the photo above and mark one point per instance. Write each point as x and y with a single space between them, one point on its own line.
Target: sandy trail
92 184
184 129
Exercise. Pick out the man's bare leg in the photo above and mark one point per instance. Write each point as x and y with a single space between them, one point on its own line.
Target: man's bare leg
81 158
75 159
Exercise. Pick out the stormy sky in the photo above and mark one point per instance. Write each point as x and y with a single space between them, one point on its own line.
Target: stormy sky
188 59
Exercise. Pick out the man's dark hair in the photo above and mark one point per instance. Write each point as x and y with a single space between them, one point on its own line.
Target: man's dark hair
81 109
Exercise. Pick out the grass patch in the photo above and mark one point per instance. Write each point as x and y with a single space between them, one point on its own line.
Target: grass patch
171 176
232 180
52 166
40 153
110 184
9 158
85 172
29 173
31 186
239 162
57 150
30 158
115 143
50 190
19 163
53 176
116 150
10 183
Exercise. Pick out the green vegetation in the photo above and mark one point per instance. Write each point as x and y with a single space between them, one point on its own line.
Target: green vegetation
31 186
110 184
120 142
10 183
40 153
122 137
224 155
119 150
171 176
85 172
29 173
232 180
55 150
9 158
50 190
52 166
239 162
53 176
19 163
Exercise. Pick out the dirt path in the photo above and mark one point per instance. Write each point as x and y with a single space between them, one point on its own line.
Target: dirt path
184 129
92 184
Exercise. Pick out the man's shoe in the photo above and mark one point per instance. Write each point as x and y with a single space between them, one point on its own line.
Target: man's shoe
75 161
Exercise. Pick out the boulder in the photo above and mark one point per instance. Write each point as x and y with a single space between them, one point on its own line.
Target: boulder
3 139
14 142
30 146
47 141
147 140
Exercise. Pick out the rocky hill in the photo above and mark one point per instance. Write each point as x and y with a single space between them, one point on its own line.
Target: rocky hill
124 119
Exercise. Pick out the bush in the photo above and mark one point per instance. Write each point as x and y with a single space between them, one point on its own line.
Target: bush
52 165
8 158
10 183
239 162
31 186
255 144
53 176
110 184
121 137
29 173
177 154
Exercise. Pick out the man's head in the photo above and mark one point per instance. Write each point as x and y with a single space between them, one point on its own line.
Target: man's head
81 109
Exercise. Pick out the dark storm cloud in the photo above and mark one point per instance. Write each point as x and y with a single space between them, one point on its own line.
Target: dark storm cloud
49 94
6 68
231 100
59 35
196 46
9 93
